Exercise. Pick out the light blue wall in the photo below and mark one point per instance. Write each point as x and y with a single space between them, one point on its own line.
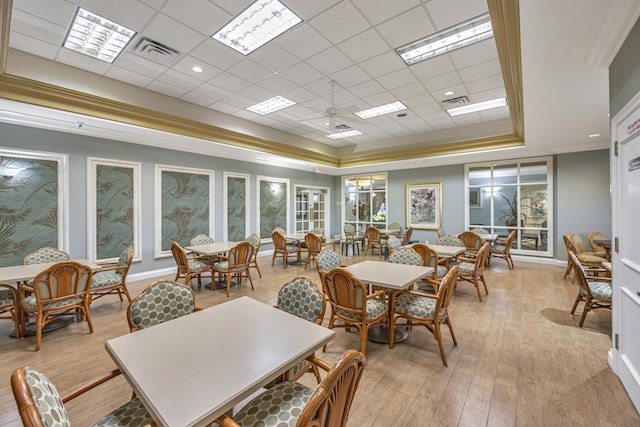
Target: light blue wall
583 199
80 147
581 181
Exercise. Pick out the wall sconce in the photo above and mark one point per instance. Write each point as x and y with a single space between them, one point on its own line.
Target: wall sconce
9 172
275 189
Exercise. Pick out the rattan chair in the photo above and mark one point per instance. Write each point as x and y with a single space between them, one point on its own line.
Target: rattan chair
44 255
595 248
293 404
191 267
407 236
430 259
161 301
352 305
40 404
10 307
448 240
284 249
393 243
471 241
374 241
60 290
235 265
325 261
502 249
574 245
425 309
471 269
313 244
595 291
254 240
201 239
302 298
111 278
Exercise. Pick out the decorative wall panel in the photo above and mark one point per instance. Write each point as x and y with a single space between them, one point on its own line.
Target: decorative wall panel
185 198
32 204
236 209
273 196
114 208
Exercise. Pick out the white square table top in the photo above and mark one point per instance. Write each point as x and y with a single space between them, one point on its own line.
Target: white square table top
387 274
20 273
190 370
447 251
294 236
211 248
488 237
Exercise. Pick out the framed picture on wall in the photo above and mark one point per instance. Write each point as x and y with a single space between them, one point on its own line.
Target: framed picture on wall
183 206
423 205
475 199
114 208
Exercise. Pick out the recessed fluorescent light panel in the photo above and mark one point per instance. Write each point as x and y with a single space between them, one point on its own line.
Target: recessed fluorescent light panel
381 110
96 36
461 35
270 105
346 134
479 106
260 23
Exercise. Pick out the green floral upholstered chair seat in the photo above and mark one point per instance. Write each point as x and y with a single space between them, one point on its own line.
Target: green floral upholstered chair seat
280 406
375 308
42 400
600 290
303 299
416 306
254 240
29 302
112 277
161 301
328 259
199 265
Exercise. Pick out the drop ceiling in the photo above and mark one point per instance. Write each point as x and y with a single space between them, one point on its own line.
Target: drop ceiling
558 91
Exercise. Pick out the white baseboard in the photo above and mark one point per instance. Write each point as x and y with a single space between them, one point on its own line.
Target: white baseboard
171 271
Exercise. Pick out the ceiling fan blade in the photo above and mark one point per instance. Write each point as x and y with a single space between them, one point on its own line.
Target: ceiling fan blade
332 123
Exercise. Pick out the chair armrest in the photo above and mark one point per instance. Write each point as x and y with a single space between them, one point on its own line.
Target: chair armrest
416 293
114 268
89 385
225 421
319 362
377 294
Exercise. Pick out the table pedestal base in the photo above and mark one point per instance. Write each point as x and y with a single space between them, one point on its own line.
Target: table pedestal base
30 328
380 334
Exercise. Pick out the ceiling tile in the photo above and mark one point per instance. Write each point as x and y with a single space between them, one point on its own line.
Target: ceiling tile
405 28
171 33
301 73
467 119
397 79
366 89
383 64
196 97
407 91
166 89
276 84
250 71
495 114
330 61
224 107
474 54
217 54
200 15
186 64
230 82
384 10
84 62
38 29
350 76
480 85
480 71
340 22
256 94
56 12
308 9
443 81
214 92
33 46
139 65
233 7
432 67
299 95
274 57
127 76
364 46
303 41
180 80
445 16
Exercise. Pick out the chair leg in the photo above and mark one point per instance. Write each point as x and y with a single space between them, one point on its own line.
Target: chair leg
587 307
575 304
273 258
39 326
453 335
485 284
332 319
475 283
363 338
438 336
568 270
257 268
250 279
229 284
392 330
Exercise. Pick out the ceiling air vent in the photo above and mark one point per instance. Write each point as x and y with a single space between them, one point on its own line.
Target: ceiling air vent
342 127
455 102
155 51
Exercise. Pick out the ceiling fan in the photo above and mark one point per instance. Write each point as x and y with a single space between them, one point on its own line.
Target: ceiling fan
335 114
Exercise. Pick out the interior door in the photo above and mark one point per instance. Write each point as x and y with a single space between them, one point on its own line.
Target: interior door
625 354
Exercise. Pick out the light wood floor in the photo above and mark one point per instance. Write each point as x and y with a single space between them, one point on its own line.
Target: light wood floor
520 360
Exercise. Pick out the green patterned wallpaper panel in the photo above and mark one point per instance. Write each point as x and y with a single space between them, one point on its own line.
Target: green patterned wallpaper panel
185 207
114 210
236 208
273 207
28 208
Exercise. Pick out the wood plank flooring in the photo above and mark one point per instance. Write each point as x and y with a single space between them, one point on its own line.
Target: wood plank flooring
521 360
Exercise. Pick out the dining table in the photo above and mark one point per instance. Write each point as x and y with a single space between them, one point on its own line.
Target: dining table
14 275
297 239
606 244
190 370
391 276
211 249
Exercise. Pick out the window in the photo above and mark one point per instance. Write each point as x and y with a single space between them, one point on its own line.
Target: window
512 195
365 198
